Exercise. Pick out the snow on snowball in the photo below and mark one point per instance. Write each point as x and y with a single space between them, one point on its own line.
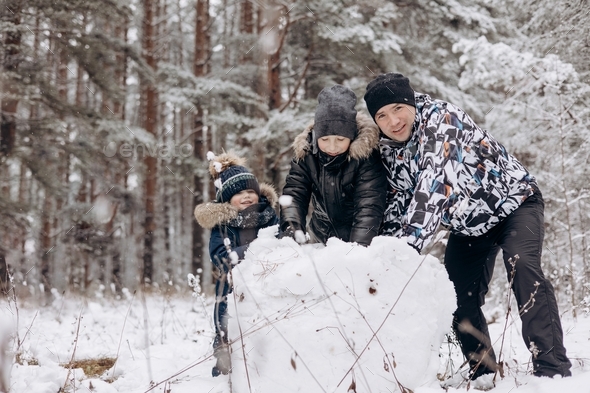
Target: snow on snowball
307 314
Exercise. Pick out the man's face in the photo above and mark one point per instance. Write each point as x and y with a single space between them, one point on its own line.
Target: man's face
396 121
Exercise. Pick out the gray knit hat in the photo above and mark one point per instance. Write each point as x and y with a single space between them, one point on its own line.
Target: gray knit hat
390 88
336 113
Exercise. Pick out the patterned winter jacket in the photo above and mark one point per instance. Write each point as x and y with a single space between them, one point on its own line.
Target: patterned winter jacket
451 172
347 193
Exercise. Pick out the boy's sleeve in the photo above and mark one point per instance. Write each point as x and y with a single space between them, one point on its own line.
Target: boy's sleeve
298 186
447 131
369 199
218 251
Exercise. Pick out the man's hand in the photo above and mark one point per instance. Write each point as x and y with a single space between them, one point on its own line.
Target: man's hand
415 248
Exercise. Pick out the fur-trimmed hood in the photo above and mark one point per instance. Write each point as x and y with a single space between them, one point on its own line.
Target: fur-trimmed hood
360 148
210 214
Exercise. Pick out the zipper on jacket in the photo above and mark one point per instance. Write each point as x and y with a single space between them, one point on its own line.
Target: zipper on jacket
323 182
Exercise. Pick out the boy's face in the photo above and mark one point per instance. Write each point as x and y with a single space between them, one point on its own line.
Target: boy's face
333 145
244 198
396 121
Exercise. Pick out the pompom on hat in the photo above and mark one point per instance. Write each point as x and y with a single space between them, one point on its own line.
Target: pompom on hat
390 88
230 176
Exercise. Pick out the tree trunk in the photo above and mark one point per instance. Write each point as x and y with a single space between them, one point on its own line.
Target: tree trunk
200 68
226 34
4 279
119 109
246 27
58 264
274 81
247 18
12 41
46 247
151 164
11 58
274 46
180 58
202 38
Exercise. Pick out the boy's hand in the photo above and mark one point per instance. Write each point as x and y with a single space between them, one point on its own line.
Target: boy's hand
298 235
288 232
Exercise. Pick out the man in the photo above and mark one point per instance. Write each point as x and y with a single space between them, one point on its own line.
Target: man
444 169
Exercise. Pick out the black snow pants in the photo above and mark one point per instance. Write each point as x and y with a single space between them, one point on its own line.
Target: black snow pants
222 289
470 264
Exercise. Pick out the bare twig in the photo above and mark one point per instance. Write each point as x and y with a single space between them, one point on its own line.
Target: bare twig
245 334
286 341
14 299
341 327
391 365
512 262
298 83
147 339
384 320
122 330
70 365
242 343
20 343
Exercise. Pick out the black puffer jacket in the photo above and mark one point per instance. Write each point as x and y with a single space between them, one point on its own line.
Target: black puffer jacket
347 193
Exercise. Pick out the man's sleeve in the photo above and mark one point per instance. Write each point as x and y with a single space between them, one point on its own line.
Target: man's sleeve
396 205
447 131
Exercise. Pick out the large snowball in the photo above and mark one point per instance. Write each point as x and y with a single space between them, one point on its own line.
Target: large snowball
308 313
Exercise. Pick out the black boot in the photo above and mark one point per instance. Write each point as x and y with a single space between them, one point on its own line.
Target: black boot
221 351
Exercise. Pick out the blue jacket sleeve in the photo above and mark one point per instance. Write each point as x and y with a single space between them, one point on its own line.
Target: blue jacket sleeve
218 251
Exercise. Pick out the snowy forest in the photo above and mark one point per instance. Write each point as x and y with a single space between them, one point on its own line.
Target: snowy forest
109 108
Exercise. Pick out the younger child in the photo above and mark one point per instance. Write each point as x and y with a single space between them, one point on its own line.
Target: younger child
337 166
242 207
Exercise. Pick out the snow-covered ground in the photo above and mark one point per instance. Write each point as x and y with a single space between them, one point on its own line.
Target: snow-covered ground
307 317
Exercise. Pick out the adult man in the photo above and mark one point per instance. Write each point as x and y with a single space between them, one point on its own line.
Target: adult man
444 169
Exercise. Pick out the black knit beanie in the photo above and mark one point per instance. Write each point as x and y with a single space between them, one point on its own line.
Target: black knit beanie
336 113
235 179
388 89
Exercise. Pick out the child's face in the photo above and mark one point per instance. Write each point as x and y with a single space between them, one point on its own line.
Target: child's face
333 145
244 198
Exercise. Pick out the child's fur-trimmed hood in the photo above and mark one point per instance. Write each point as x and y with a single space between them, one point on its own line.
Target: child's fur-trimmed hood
360 148
210 214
